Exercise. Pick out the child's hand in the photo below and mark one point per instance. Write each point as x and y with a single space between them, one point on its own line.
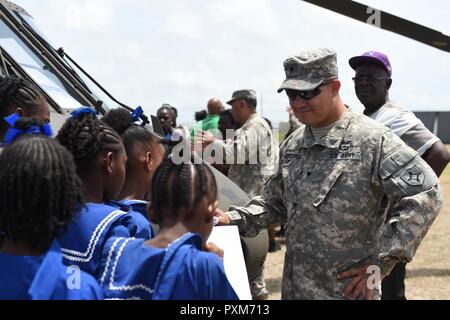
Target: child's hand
212 248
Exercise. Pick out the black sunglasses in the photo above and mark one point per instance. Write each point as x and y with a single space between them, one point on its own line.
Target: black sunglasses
368 78
305 95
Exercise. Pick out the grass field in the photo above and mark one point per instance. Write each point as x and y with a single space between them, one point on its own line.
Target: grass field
428 276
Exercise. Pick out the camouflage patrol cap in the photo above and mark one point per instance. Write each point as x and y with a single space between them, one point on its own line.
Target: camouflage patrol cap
310 69
243 95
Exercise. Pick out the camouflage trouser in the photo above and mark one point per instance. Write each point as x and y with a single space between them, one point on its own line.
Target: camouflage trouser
258 287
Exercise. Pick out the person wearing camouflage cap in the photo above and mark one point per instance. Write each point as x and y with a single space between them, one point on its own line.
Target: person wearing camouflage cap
245 95
248 169
373 80
335 173
309 70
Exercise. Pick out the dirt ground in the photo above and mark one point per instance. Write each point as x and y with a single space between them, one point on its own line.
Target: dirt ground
428 276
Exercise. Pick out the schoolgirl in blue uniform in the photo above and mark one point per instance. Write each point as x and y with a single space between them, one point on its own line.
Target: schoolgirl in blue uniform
19 96
173 265
40 194
100 159
144 153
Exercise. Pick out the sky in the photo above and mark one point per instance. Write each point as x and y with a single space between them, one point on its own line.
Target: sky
184 52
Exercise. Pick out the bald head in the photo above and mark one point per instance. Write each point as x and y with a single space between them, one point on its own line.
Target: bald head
215 106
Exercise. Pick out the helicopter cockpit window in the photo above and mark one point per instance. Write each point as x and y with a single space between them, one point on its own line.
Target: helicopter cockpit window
95 90
42 74
92 86
30 21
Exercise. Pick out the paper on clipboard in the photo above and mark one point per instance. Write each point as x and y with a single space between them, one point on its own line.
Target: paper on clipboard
228 239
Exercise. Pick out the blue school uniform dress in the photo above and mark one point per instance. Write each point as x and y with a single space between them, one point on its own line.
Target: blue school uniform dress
84 240
135 271
138 206
44 278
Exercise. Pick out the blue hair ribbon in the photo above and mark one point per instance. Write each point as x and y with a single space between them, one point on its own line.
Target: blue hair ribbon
13 133
136 114
83 110
12 119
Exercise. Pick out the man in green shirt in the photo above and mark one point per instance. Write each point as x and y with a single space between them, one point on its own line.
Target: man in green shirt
211 123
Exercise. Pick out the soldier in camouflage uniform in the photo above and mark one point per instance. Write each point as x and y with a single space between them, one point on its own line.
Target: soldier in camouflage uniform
252 156
253 153
334 173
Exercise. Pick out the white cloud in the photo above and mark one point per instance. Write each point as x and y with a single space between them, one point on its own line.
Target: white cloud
186 51
252 17
185 25
133 50
85 14
183 80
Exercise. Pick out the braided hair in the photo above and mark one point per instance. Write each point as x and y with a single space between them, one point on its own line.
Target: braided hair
86 137
131 133
181 186
40 191
16 93
165 107
25 123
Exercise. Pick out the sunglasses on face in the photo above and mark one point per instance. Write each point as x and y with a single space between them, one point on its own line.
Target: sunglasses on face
305 95
370 79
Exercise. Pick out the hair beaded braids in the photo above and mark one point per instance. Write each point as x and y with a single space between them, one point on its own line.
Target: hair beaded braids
40 191
183 186
17 92
131 133
86 137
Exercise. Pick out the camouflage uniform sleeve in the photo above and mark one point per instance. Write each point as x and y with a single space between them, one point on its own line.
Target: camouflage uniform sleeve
261 211
415 200
238 149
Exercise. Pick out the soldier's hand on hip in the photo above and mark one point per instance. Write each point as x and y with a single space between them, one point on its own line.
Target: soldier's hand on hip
359 284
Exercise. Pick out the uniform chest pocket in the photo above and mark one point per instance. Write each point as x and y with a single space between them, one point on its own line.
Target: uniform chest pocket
291 172
328 183
291 166
287 168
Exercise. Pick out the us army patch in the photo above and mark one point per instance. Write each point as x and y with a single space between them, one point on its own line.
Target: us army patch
292 156
345 153
344 156
413 176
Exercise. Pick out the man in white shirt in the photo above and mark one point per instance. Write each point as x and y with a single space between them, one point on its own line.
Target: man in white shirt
373 80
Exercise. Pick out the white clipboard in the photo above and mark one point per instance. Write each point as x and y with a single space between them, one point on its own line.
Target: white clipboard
227 238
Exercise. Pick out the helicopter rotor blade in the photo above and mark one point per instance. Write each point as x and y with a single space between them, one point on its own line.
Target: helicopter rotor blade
386 21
